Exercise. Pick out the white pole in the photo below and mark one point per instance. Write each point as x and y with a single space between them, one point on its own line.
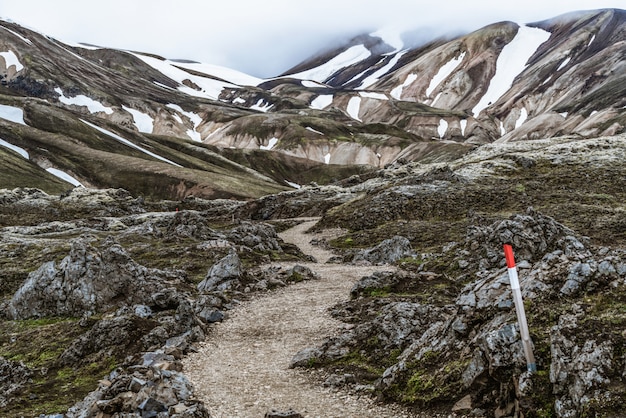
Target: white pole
519 308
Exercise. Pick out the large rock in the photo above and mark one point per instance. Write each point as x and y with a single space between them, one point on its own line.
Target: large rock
580 367
223 275
387 252
259 237
532 235
89 280
190 224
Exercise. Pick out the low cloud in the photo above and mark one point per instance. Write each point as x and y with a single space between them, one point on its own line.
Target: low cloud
265 38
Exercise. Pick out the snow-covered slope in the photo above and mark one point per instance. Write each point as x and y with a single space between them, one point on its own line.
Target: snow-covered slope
370 101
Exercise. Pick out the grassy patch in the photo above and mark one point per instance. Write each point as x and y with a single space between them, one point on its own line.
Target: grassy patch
38 343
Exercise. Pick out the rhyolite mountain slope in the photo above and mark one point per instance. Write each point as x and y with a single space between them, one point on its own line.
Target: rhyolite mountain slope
104 291
76 114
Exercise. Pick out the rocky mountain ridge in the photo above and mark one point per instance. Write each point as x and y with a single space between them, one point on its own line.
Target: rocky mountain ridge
173 123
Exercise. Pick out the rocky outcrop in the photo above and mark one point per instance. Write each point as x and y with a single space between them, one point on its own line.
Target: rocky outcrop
311 200
387 252
13 378
471 347
223 275
156 387
89 280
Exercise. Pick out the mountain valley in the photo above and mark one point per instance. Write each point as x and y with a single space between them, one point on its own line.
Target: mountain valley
147 202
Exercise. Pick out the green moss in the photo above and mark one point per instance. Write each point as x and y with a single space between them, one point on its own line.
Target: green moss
434 378
377 293
295 277
39 343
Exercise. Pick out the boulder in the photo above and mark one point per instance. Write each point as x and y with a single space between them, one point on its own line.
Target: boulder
387 252
190 224
223 274
259 237
88 281
580 368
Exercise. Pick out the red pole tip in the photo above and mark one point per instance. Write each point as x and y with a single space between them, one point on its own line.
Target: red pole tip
508 254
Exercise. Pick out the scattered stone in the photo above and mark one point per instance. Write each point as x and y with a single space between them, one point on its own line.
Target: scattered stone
463 405
283 414
13 377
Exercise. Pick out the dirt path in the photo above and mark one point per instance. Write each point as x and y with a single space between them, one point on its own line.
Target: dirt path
242 369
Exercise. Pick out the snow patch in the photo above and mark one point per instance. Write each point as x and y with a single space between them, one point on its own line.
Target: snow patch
442 128
11 59
564 114
321 102
327 158
28 41
224 73
444 72
273 141
311 84
308 128
209 88
163 86
129 143
294 185
564 63
396 93
353 108
193 117
14 114
81 100
522 118
142 121
64 176
349 57
511 62
502 129
358 76
373 78
15 148
593 38
463 126
436 99
373 95
262 106
238 100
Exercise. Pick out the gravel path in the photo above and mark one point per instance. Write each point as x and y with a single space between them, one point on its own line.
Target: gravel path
241 370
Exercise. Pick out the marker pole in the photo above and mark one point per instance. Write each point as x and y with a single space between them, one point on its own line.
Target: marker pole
519 308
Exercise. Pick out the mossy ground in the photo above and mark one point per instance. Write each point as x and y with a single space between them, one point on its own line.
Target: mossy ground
54 387
38 343
585 197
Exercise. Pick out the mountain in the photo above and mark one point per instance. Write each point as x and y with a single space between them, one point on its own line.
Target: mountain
78 114
409 165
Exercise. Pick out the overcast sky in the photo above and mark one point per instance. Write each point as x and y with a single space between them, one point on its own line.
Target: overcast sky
265 37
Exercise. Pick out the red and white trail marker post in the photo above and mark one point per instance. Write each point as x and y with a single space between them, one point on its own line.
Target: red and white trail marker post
519 308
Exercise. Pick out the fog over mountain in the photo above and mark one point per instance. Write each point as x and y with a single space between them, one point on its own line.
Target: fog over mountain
265 38
367 101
